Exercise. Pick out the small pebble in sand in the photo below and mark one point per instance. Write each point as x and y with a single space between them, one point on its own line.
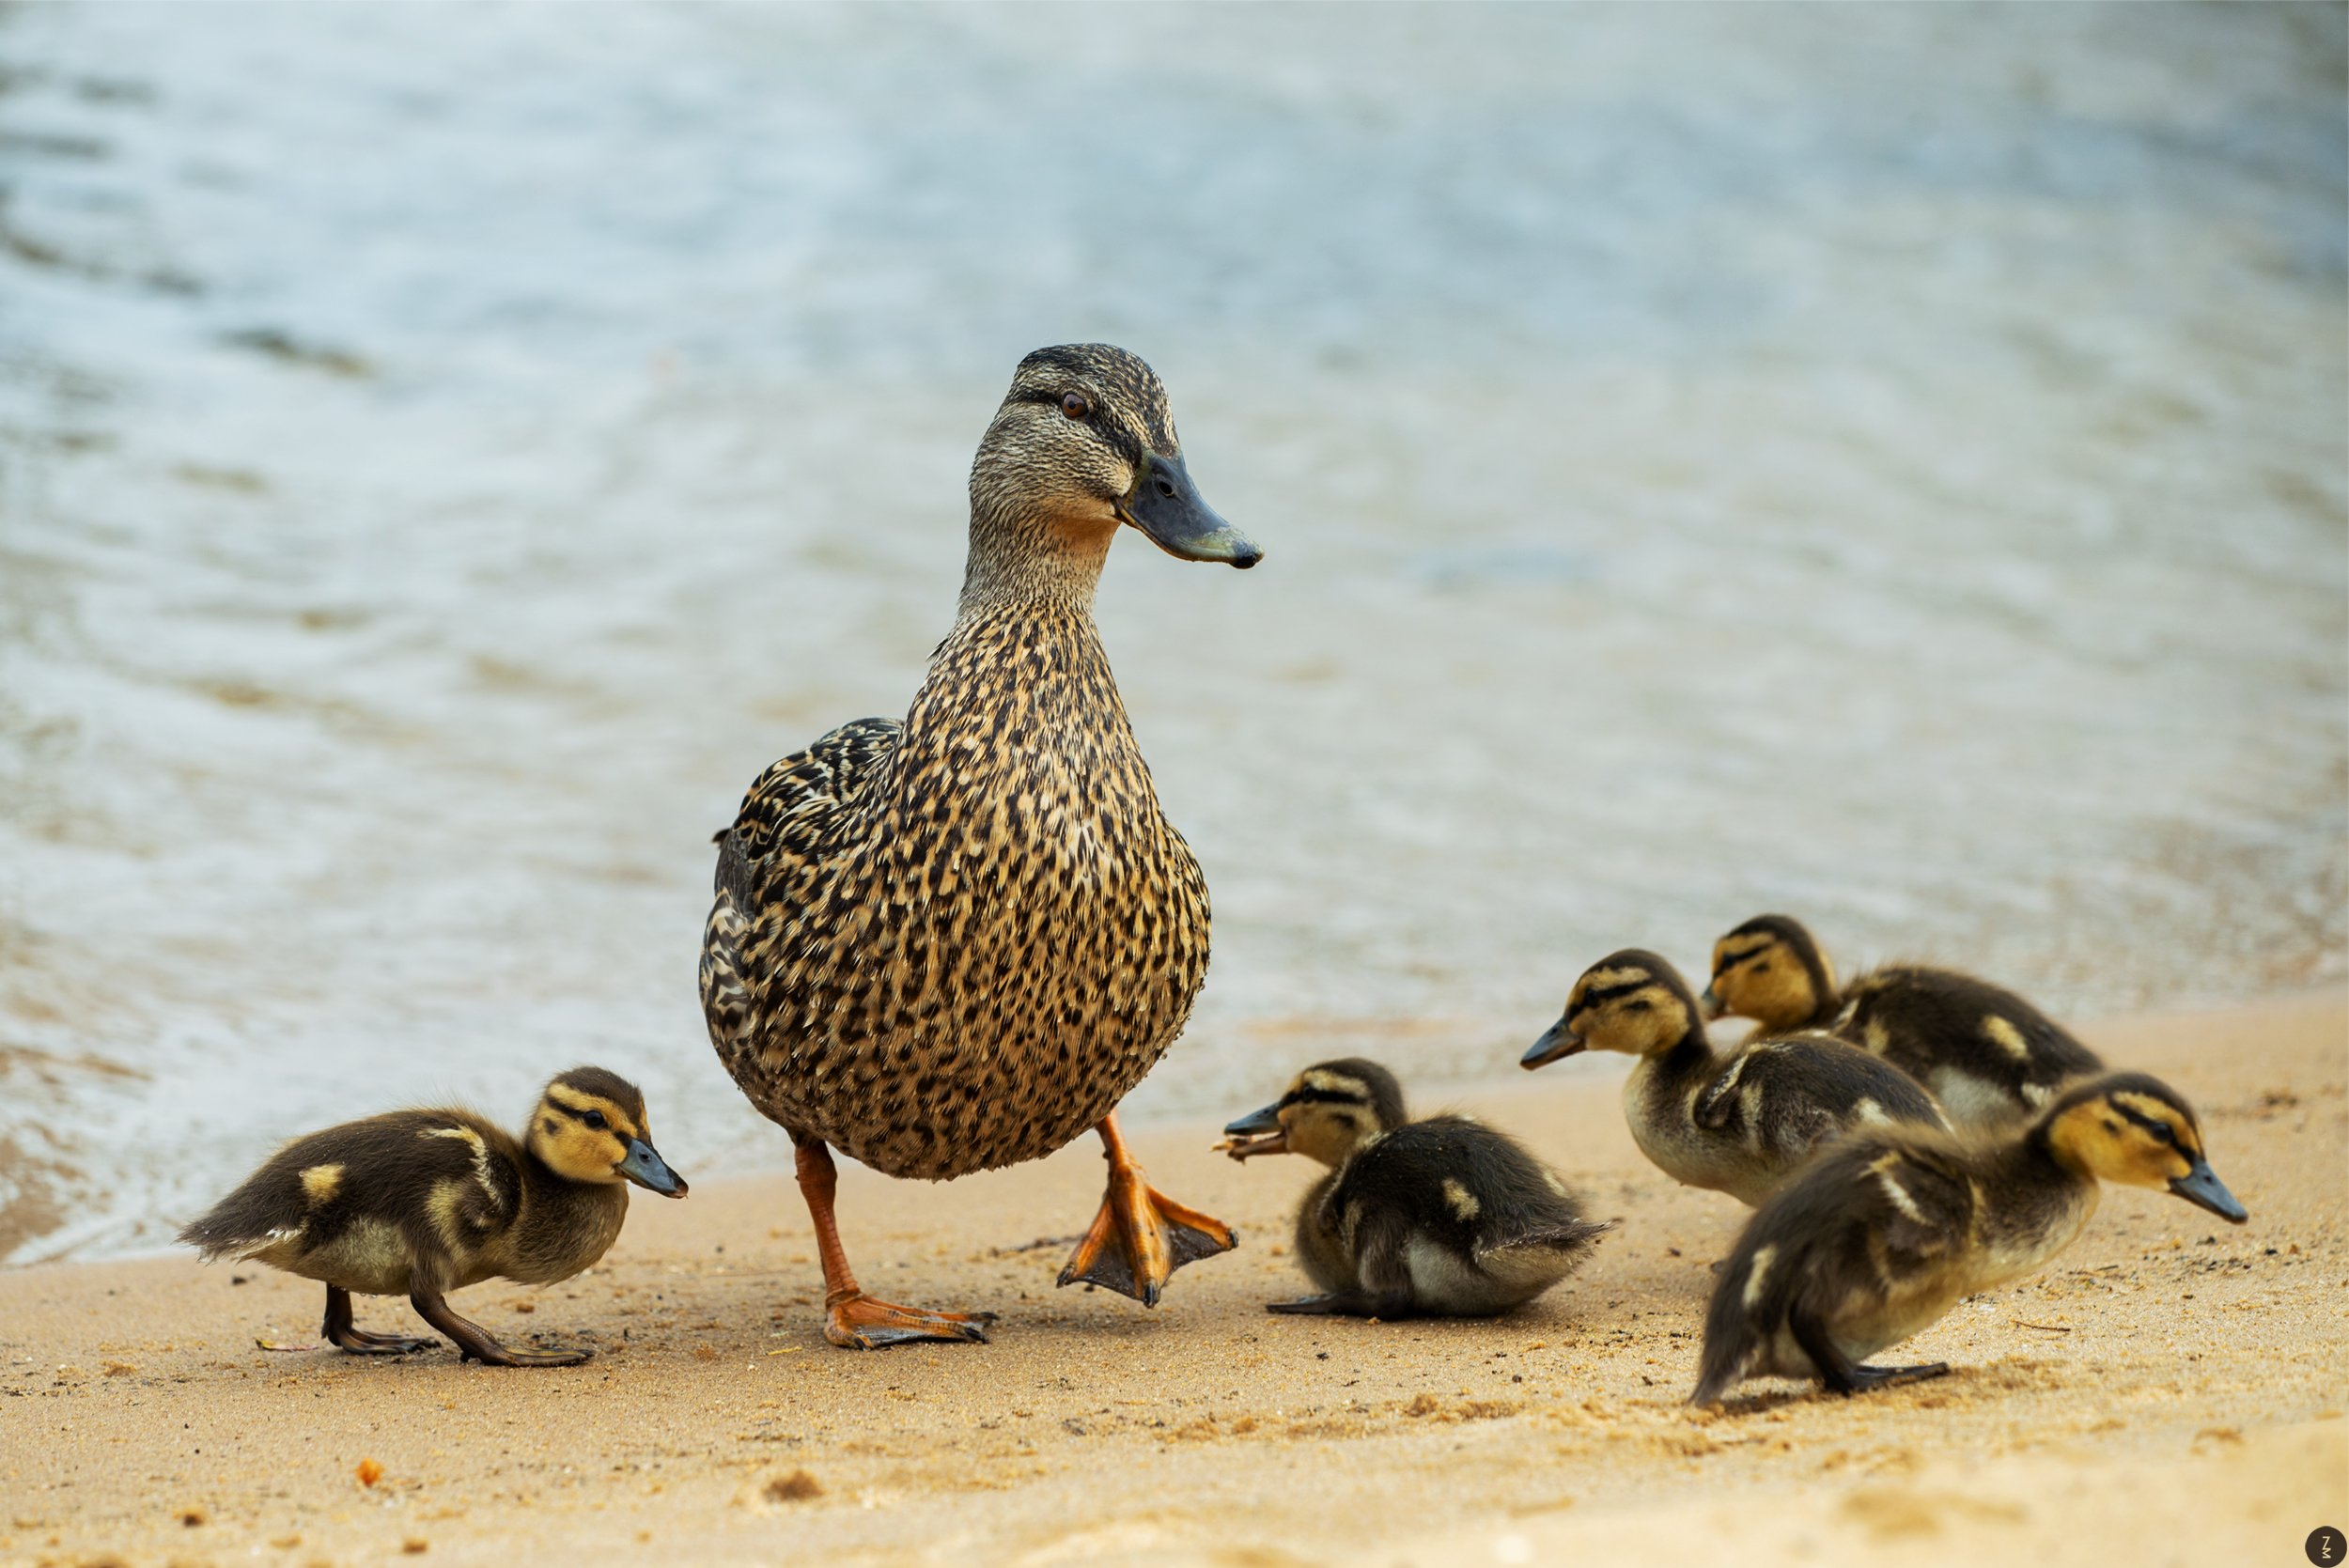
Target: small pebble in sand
415 1545
796 1488
193 1514
368 1472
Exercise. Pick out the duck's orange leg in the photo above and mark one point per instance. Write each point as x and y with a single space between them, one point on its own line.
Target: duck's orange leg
1141 1236
852 1319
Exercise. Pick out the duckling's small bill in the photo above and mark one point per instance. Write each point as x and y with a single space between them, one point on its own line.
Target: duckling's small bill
2201 1187
646 1169
1557 1041
1259 1132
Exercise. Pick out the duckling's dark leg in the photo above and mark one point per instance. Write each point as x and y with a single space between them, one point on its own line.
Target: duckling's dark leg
1153 1234
338 1329
1382 1275
1352 1303
473 1343
1842 1374
853 1320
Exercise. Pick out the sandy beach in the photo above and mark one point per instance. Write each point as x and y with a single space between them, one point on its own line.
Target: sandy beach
2170 1391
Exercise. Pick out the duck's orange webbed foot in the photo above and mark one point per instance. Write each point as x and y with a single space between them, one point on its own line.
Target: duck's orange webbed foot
1141 1236
861 1322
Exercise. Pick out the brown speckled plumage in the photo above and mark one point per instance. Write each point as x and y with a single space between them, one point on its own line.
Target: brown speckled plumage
956 942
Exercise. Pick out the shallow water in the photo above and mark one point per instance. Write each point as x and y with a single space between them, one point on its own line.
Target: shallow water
1886 464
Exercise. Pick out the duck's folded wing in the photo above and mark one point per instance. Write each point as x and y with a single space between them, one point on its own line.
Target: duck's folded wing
1923 1209
796 800
1791 1093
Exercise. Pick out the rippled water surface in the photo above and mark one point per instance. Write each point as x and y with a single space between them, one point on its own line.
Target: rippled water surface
1887 464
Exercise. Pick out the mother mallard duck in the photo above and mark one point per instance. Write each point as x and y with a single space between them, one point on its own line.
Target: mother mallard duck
958 942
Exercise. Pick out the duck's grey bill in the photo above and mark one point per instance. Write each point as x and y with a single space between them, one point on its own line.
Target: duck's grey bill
1165 505
2201 1187
1559 1040
646 1169
1254 1123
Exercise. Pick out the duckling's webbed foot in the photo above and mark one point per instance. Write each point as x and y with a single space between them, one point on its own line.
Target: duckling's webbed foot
473 1343
1842 1374
1879 1378
1352 1303
1141 1236
338 1329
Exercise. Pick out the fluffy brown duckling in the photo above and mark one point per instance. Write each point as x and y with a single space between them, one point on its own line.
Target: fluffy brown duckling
422 1202
1988 1056
1438 1218
1886 1231
1739 1124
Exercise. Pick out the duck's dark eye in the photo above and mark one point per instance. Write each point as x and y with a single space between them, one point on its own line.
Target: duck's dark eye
595 1119
2162 1133
1637 1004
1076 405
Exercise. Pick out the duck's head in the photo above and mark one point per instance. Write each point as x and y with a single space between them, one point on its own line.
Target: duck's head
1330 1110
1631 1001
1768 970
590 1126
2137 1130
1085 442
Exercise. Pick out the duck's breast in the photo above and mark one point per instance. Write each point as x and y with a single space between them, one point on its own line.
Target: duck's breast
1014 944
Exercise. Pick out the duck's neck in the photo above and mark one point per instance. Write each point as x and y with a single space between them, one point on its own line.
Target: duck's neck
1684 1063
1023 560
2039 1200
563 1225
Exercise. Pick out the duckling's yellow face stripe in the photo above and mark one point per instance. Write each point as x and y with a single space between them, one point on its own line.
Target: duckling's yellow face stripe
1760 976
2134 1139
1326 1116
1627 1009
585 1106
581 1136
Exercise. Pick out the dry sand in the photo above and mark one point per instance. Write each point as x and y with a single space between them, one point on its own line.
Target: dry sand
2170 1390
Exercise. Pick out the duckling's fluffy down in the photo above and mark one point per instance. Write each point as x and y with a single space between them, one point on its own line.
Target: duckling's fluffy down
1477 1223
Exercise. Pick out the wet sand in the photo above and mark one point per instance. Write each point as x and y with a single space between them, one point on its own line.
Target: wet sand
2172 1389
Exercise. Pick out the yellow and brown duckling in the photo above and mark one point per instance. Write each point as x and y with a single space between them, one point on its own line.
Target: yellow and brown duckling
957 942
1438 1218
422 1202
1739 1124
1988 1056
1887 1230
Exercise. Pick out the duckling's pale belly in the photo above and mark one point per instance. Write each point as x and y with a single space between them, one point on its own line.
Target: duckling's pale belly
971 959
2005 1248
1664 1127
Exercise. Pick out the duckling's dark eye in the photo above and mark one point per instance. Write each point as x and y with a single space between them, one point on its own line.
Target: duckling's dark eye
2162 1133
1638 1004
1076 405
595 1119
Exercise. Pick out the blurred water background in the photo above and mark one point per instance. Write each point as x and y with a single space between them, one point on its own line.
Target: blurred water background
1887 464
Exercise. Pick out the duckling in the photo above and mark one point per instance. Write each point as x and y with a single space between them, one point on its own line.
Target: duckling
1988 1056
956 942
1740 1123
422 1202
1886 1231
1439 1218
